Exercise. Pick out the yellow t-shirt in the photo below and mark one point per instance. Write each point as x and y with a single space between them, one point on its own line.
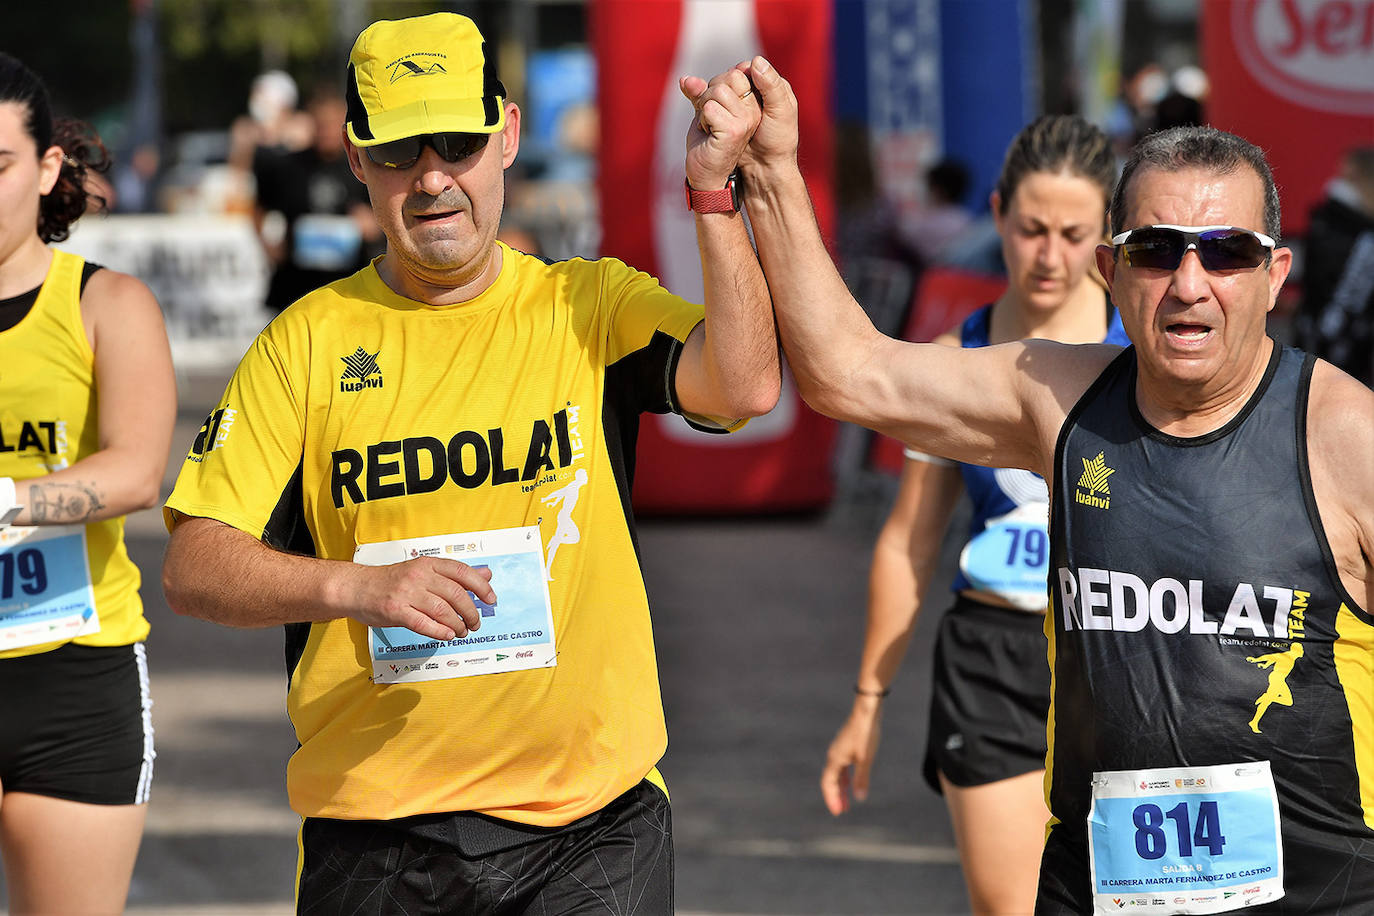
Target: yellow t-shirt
48 421
359 416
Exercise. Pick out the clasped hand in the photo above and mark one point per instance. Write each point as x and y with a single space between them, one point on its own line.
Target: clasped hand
745 117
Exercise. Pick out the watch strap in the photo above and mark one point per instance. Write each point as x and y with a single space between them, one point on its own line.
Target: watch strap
722 200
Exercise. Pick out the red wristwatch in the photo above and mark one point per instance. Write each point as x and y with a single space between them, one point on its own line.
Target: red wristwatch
726 200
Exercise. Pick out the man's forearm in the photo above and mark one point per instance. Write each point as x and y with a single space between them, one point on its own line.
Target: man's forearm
824 331
741 363
217 573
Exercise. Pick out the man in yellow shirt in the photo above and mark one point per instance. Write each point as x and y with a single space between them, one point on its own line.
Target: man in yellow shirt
450 426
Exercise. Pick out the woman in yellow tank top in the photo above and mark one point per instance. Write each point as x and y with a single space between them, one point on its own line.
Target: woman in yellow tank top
87 402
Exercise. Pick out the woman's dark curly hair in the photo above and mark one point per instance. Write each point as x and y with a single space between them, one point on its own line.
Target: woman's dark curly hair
81 148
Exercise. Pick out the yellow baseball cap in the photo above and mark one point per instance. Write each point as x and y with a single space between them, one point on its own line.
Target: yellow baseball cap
424 75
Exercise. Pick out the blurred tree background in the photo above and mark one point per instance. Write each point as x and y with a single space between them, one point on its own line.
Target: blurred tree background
81 51
205 52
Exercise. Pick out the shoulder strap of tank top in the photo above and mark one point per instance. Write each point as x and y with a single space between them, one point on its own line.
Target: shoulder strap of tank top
976 329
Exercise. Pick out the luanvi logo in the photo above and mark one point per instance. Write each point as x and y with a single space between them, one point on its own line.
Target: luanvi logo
1094 480
361 366
406 68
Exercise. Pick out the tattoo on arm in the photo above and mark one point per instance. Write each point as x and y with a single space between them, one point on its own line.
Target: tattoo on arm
61 503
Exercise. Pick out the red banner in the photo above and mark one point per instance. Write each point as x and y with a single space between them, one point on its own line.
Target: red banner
781 461
1295 77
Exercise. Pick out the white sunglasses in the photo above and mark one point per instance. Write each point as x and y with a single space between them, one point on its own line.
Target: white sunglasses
1162 247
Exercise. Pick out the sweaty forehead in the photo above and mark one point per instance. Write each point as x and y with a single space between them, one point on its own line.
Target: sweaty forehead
1195 197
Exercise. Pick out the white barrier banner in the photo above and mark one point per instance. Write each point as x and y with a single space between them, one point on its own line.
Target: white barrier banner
208 272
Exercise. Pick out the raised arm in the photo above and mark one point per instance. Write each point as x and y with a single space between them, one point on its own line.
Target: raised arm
730 365
136 404
998 405
219 573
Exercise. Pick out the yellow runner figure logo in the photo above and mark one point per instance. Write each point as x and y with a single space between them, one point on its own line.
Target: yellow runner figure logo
1279 665
1094 479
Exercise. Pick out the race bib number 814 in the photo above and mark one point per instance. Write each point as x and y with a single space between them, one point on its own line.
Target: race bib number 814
1185 839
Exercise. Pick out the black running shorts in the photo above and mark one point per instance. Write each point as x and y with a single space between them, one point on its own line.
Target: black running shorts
76 724
619 860
991 696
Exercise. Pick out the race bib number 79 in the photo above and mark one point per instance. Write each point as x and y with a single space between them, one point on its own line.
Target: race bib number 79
45 586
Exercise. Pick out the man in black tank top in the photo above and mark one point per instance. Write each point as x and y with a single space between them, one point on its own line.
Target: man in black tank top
1212 525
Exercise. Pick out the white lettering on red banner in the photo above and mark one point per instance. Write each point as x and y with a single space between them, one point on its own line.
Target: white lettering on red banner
1316 53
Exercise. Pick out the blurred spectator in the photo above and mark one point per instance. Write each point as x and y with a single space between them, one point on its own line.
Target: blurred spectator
574 158
1154 100
1335 317
1134 113
944 217
879 266
273 125
1182 105
1177 110
1191 80
199 179
978 249
323 228
866 220
135 180
272 122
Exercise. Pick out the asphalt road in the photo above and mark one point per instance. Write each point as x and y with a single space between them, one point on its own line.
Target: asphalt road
758 625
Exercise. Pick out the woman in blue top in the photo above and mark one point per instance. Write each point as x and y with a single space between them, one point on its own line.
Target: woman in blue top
986 746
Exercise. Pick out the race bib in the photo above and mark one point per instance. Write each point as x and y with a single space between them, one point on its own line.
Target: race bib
1010 558
1185 839
45 586
516 632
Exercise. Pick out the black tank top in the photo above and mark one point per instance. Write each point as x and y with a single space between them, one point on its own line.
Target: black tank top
1177 563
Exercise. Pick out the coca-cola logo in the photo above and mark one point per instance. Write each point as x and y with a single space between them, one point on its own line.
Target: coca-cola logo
1316 53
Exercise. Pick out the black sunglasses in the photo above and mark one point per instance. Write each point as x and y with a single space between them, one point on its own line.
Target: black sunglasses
405 152
1218 247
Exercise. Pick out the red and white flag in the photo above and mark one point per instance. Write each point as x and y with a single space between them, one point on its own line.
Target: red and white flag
642 47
